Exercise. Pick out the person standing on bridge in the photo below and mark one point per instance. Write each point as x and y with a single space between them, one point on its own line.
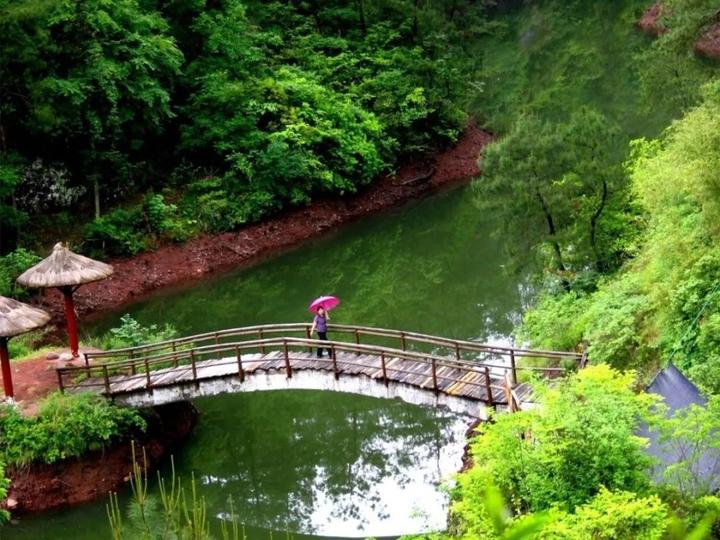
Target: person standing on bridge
320 325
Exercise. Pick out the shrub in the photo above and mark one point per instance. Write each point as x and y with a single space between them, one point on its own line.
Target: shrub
115 234
66 426
131 333
4 484
560 455
612 516
11 266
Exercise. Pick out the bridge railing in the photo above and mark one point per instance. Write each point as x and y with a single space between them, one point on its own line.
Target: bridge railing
497 358
101 376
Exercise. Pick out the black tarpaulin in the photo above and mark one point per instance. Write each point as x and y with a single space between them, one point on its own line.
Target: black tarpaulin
678 392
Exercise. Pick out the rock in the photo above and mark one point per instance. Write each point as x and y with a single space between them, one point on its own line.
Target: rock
65 357
11 503
709 43
52 356
650 20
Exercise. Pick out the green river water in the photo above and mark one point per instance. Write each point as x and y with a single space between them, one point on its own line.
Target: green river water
343 465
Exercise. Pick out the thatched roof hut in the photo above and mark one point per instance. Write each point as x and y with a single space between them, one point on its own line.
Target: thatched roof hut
64 268
17 318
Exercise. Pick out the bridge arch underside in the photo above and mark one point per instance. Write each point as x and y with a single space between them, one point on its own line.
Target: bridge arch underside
306 379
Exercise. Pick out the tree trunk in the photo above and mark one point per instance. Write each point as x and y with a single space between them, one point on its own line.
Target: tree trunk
96 193
361 16
593 227
553 234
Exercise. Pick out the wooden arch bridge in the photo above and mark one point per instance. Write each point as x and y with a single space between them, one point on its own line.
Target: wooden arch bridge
464 376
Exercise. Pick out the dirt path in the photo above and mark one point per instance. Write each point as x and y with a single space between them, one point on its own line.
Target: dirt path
177 263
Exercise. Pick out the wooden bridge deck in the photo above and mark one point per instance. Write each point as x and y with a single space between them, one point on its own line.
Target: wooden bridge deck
453 381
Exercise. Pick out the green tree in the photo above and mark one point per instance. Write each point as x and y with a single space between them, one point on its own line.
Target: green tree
103 83
552 185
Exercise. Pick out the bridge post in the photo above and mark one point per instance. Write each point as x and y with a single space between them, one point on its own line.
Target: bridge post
194 368
261 335
288 369
174 350
434 376
488 388
457 351
513 367
384 369
402 341
239 363
334 361
87 364
148 380
309 336
106 379
60 380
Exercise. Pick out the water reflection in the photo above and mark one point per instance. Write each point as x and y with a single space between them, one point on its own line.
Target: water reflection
329 464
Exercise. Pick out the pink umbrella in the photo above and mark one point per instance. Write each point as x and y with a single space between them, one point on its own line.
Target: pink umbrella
326 302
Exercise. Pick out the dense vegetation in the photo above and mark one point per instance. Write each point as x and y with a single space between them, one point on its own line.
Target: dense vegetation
163 119
574 468
617 215
65 426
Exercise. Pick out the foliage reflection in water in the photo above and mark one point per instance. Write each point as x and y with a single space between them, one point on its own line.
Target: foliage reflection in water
329 464
307 462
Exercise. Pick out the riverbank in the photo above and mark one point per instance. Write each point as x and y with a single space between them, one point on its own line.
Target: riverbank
175 264
40 487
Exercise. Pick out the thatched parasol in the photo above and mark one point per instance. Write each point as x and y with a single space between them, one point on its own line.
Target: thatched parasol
15 318
67 271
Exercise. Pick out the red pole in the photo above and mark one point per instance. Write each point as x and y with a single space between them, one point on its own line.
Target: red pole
70 318
6 373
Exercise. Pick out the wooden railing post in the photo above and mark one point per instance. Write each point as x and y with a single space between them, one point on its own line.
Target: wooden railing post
488 388
357 337
193 365
434 376
148 380
217 339
309 336
132 368
402 341
507 387
384 369
513 367
261 335
288 369
87 364
241 373
106 379
60 381
175 357
334 361
457 351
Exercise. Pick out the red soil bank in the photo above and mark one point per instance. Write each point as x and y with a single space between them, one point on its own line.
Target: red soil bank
69 482
195 259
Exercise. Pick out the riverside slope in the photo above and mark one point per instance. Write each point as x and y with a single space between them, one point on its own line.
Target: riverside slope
174 264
